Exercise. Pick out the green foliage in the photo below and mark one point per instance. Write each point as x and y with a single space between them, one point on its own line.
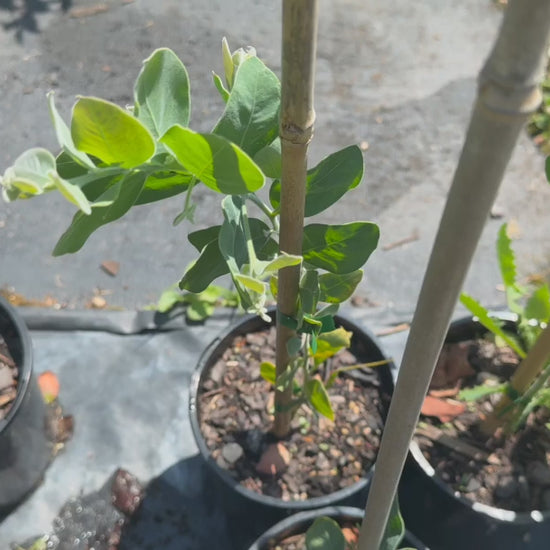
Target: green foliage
115 158
532 307
539 125
198 306
326 534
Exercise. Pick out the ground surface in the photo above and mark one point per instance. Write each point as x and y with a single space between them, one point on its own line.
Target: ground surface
399 76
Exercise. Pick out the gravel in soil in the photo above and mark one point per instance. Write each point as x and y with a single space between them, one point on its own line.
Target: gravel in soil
510 472
8 380
320 456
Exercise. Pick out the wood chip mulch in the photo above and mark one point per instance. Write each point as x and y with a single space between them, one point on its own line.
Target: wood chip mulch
510 472
235 412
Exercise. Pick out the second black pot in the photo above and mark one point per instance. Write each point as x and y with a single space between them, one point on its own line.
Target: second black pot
24 447
449 521
249 512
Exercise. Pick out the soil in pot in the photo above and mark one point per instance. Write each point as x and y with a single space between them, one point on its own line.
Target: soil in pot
511 472
350 530
9 374
319 457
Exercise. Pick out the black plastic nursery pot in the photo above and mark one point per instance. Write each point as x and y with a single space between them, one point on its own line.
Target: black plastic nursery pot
24 447
261 511
299 523
447 520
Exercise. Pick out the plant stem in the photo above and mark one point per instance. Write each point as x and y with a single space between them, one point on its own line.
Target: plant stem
270 214
296 130
524 377
508 93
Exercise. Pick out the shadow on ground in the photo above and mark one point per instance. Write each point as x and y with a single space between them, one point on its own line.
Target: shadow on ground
24 14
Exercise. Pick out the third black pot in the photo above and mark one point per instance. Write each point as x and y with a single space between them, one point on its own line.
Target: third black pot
300 523
447 520
250 512
24 447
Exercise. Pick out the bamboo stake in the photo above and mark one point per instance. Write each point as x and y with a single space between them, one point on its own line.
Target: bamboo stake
508 93
527 372
296 131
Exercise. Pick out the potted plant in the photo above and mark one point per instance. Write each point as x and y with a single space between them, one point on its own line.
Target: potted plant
482 442
114 158
332 528
25 450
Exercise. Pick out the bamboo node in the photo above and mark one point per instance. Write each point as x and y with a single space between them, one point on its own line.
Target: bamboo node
295 135
508 98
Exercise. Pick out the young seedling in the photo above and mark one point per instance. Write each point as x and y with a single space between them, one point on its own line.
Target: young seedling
527 389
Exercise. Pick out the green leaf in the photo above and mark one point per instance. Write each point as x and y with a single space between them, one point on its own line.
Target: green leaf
325 534
251 283
281 261
67 167
82 226
31 174
106 131
220 87
227 62
161 93
168 299
215 161
268 372
547 168
293 346
209 266
478 392
339 249
162 185
506 258
198 309
269 159
64 137
251 116
395 528
72 193
318 397
330 343
309 291
328 181
488 322
538 305
335 289
199 239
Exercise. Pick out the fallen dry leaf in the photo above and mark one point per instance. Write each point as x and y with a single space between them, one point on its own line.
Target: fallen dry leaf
452 366
49 386
110 267
98 302
444 409
77 13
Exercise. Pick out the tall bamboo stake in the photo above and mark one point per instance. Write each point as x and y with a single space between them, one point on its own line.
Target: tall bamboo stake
508 93
296 131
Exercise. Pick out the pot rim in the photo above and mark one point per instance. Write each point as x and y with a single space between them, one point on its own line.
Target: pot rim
501 514
347 513
24 367
311 503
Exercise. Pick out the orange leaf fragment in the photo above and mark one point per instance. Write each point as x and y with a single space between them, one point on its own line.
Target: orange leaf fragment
444 409
49 386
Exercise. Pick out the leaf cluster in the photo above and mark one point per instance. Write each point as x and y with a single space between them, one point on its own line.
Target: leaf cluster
531 304
115 158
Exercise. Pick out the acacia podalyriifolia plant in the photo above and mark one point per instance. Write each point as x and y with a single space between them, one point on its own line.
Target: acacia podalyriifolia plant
528 387
114 158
